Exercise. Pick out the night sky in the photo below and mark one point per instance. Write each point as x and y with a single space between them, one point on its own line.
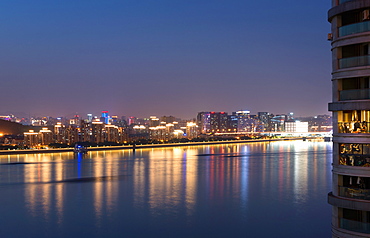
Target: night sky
173 57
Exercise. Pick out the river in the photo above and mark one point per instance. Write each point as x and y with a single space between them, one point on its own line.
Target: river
263 189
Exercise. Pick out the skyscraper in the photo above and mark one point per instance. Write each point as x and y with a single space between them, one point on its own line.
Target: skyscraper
204 122
89 118
350 40
104 117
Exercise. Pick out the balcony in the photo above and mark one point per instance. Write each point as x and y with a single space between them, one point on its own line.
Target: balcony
354 94
354 28
354 61
356 193
355 226
353 127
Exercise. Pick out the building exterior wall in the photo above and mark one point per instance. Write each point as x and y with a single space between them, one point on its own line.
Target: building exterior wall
350 196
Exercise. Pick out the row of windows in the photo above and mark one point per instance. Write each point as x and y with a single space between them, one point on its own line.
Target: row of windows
354 121
351 154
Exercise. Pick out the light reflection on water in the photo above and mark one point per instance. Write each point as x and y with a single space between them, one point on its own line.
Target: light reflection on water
235 190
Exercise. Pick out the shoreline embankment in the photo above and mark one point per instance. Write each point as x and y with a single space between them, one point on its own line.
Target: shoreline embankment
145 146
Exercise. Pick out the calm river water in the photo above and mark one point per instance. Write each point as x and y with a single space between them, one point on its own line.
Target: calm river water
276 189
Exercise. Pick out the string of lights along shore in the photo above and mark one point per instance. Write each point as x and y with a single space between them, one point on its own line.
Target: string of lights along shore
109 130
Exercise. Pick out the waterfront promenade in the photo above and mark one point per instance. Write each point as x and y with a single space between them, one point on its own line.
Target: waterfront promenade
141 146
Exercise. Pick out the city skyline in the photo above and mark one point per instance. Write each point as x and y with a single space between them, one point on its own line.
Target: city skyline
97 115
164 58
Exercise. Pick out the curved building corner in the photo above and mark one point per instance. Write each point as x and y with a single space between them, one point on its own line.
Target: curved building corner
350 41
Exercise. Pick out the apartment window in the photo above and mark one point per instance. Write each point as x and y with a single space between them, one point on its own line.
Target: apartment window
354 121
351 154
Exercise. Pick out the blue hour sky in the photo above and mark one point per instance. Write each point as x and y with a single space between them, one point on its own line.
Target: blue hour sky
164 57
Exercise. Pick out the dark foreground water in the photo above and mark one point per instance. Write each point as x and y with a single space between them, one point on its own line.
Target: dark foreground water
273 189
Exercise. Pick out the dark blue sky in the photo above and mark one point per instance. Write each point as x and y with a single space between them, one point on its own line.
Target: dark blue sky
141 57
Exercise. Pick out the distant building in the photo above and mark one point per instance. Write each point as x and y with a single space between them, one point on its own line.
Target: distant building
85 131
38 122
72 134
191 130
248 122
8 118
60 133
218 122
277 123
265 118
320 123
204 122
75 120
168 119
89 118
46 136
232 123
132 120
97 132
245 123
31 139
296 126
111 133
154 121
104 117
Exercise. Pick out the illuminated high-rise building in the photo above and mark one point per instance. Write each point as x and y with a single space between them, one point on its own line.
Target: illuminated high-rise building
265 118
191 130
245 123
204 122
218 122
232 122
75 120
46 136
71 133
111 133
97 132
277 122
85 131
154 121
89 117
296 126
350 41
114 120
31 139
104 117
60 133
132 120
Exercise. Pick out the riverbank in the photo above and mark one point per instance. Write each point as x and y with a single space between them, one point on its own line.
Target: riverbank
131 147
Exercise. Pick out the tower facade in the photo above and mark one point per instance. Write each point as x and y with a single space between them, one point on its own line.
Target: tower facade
350 40
104 117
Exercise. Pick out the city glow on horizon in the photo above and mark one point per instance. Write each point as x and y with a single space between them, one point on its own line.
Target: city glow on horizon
206 61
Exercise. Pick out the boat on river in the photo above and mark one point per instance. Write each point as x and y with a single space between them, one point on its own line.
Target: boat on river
80 149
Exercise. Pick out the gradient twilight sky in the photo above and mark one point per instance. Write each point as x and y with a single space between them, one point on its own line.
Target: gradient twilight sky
164 57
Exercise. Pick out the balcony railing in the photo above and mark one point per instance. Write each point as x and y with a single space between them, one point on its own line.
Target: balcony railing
357 193
353 127
354 28
354 61
355 226
355 94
